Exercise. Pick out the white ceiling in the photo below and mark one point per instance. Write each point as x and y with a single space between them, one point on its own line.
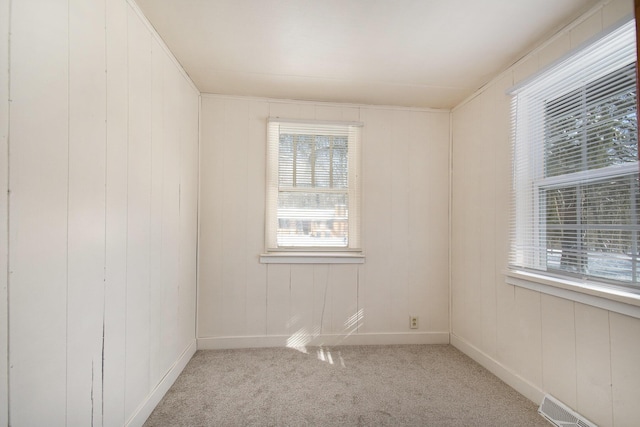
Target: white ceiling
421 53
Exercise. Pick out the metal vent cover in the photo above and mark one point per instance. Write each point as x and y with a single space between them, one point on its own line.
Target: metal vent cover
561 415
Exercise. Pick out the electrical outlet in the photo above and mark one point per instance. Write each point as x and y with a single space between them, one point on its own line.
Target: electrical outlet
413 322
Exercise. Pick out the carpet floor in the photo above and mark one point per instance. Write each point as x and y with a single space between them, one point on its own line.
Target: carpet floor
411 385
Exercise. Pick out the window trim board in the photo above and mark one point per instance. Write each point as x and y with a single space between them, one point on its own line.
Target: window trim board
311 254
530 183
295 257
613 300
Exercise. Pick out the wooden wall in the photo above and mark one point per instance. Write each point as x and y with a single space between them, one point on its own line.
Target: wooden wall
4 214
584 355
405 234
103 213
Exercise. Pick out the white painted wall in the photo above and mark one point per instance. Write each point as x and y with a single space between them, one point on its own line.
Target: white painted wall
4 212
102 238
585 356
405 234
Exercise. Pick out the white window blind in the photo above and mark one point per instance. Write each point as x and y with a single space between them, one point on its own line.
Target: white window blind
576 203
313 186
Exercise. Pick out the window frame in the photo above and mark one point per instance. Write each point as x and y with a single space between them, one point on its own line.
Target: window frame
580 179
352 252
529 206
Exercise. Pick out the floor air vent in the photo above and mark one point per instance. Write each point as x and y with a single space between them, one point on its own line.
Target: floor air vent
560 415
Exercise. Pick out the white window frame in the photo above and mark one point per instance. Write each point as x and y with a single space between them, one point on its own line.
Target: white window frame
352 252
527 200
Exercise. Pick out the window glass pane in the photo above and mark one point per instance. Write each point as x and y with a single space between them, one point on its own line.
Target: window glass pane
313 161
340 163
610 232
592 228
575 201
594 126
561 230
313 185
564 130
611 119
304 148
285 161
312 219
323 161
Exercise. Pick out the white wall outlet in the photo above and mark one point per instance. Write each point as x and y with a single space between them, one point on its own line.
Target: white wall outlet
413 322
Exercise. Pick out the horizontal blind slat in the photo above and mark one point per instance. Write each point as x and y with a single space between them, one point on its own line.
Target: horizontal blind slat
575 202
312 202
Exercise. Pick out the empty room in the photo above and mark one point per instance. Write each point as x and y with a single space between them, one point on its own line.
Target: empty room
305 212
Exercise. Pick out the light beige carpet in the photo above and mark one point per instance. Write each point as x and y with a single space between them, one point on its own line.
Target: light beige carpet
414 385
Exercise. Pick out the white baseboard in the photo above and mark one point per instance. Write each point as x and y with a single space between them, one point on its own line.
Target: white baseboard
515 381
144 410
219 343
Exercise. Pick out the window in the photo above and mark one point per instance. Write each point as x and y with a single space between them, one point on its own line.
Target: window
576 191
313 186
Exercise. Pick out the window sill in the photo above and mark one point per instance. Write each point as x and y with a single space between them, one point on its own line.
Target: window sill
615 300
312 258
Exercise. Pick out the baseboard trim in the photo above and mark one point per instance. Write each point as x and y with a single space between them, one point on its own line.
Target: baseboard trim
144 410
329 340
515 381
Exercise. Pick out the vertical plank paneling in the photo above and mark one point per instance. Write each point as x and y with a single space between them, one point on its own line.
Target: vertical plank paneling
400 142
523 69
156 246
291 110
528 340
38 211
420 165
210 302
467 170
486 212
278 298
437 267
328 112
322 299
559 348
256 283
4 214
188 202
464 223
614 11
376 285
343 291
302 300
139 209
593 364
503 199
506 329
170 226
312 299
86 211
586 30
234 216
625 370
554 50
351 114
116 214
87 178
